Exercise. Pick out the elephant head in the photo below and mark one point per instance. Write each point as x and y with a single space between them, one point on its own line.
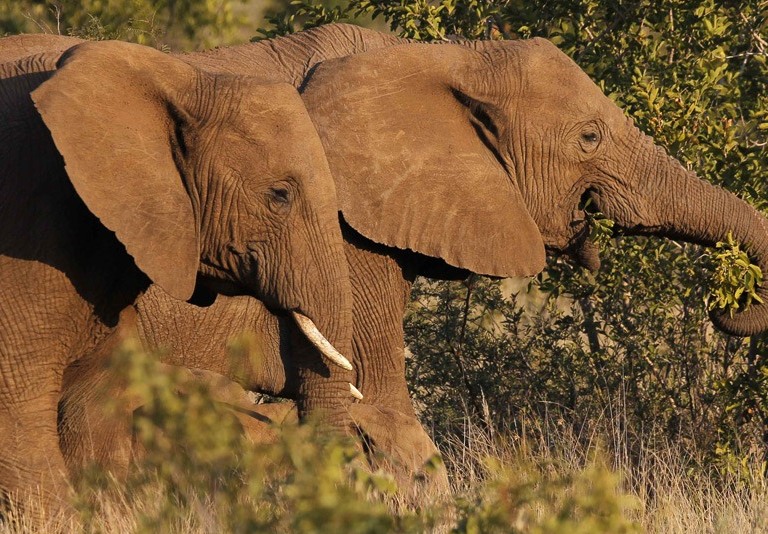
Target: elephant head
211 179
483 154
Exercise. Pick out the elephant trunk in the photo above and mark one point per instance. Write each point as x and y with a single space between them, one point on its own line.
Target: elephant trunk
322 338
679 205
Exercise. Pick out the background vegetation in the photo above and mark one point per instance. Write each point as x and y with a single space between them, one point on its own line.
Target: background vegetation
176 24
197 473
552 369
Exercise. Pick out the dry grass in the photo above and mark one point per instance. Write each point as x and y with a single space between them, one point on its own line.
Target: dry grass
669 491
544 476
550 472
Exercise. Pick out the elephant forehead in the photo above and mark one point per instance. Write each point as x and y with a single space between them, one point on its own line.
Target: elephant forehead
261 107
552 77
267 120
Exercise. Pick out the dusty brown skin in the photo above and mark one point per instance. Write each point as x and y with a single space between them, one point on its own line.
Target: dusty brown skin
538 136
174 176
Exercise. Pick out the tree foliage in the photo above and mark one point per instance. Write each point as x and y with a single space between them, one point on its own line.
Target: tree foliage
176 23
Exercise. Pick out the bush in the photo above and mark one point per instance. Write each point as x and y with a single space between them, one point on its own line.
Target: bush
184 24
197 466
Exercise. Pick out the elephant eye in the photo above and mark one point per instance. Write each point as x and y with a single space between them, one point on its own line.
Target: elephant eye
589 139
280 194
279 197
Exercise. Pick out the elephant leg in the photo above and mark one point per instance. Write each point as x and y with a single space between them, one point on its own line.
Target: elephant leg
397 443
381 282
95 415
94 424
32 469
381 286
94 419
34 346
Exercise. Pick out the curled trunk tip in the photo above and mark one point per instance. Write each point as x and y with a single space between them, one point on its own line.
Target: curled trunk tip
747 321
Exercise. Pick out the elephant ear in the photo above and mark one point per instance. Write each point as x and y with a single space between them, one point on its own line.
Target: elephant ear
410 137
111 113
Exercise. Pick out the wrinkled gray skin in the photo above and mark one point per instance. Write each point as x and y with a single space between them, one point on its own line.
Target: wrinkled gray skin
466 156
193 181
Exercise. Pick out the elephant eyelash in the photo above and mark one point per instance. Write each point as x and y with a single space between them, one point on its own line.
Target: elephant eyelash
280 197
589 138
280 194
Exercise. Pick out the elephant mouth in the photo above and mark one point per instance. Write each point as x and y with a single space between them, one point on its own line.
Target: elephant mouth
580 248
585 253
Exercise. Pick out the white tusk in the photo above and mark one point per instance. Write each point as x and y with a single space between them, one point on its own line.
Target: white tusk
355 392
309 329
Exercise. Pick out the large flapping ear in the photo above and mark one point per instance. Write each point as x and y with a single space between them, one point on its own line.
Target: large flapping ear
410 137
109 110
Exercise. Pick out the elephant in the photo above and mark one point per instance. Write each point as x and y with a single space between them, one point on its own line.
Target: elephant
121 167
415 134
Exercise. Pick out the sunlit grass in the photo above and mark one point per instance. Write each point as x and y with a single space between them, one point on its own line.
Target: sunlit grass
197 472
